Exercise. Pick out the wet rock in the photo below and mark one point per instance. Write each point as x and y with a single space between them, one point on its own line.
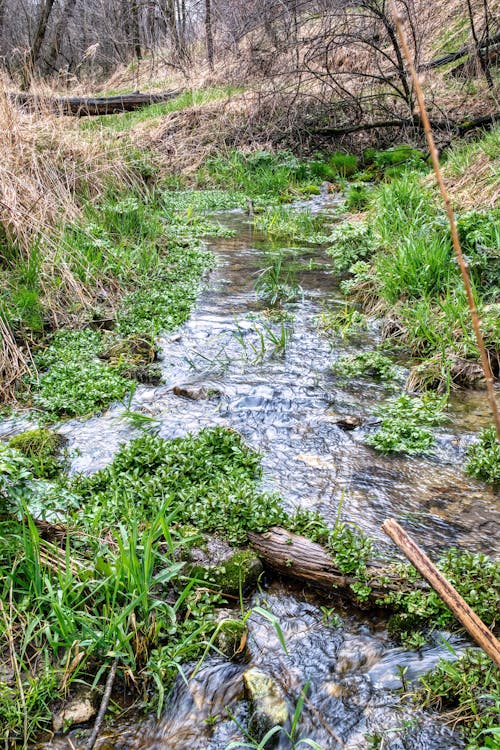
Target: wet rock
267 703
76 711
195 392
225 567
231 635
349 422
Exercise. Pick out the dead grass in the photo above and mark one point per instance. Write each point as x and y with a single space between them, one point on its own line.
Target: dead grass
46 167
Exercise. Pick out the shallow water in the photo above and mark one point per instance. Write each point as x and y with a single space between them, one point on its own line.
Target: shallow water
286 406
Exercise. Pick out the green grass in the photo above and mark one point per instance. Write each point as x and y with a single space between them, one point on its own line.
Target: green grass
119 587
265 176
401 262
282 222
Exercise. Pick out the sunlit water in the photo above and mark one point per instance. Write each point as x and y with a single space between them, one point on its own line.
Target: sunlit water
287 406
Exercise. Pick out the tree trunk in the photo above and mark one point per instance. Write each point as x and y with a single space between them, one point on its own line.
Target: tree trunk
39 36
87 107
208 34
61 27
136 32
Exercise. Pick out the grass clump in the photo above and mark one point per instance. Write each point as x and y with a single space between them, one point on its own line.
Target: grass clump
405 423
366 364
267 176
468 690
483 457
343 165
409 271
280 222
41 447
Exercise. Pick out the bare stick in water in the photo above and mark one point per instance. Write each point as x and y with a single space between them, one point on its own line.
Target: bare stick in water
104 705
485 362
471 622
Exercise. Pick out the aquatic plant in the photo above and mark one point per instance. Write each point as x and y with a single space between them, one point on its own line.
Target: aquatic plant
483 457
365 364
405 423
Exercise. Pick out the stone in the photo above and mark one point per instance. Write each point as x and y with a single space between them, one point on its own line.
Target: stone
76 711
225 567
268 707
195 391
349 422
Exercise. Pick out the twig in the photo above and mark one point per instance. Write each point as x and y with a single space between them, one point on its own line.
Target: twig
471 622
485 362
104 705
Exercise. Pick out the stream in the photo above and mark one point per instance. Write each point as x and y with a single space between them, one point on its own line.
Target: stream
288 405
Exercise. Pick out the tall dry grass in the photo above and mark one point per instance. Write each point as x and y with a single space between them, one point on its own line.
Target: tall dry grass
47 169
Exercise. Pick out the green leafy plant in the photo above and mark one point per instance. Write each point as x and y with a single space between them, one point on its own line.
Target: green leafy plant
483 457
468 690
405 423
365 364
352 241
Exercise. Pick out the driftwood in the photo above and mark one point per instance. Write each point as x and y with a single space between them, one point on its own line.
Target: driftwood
90 106
471 622
297 557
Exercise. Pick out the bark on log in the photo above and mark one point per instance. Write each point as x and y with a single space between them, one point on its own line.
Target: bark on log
90 106
297 557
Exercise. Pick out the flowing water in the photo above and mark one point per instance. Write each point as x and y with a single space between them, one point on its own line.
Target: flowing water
287 405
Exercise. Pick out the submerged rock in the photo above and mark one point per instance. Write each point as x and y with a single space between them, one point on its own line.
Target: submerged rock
268 707
196 391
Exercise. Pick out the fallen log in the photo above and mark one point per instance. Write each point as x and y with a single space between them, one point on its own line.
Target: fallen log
297 557
89 106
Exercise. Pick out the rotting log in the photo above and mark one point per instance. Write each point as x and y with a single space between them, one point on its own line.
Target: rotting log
90 106
297 557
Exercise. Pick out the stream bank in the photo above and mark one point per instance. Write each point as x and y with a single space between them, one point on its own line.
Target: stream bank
224 368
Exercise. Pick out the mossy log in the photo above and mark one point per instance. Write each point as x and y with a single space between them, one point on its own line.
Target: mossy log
90 106
297 557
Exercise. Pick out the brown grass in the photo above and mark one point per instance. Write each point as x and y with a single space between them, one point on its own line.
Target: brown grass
46 166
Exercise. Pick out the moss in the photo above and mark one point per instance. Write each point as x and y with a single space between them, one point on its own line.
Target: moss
41 447
241 570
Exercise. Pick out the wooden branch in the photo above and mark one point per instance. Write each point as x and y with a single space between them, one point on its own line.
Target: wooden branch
471 622
457 127
104 705
297 557
90 106
462 263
